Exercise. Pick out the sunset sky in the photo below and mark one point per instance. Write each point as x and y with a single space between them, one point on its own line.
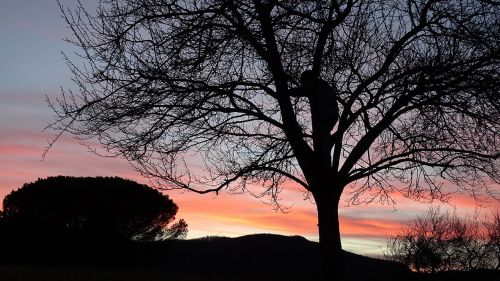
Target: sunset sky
32 67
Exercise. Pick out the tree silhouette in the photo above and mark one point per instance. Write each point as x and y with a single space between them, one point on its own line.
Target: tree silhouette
94 209
441 241
493 239
175 85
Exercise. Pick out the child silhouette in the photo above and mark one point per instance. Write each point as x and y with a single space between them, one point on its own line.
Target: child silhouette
324 108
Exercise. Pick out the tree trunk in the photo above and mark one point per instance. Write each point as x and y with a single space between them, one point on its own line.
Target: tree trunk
329 238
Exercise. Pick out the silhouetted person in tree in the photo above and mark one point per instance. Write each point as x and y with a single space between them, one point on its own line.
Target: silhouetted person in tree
324 109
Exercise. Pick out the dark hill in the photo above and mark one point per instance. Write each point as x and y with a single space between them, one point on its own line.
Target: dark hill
274 256
251 257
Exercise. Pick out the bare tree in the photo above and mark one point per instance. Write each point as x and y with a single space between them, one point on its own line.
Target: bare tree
440 241
493 240
175 85
468 244
421 245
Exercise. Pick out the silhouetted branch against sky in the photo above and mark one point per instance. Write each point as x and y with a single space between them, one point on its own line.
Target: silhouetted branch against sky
168 84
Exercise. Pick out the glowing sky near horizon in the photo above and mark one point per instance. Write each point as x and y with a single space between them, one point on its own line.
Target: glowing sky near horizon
31 67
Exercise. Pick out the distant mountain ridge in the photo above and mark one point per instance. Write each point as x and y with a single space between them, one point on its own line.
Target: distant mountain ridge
258 255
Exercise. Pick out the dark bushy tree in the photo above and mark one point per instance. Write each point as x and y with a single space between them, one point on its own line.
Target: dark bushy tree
169 83
91 208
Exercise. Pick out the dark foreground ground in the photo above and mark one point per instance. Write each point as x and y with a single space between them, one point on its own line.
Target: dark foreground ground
248 258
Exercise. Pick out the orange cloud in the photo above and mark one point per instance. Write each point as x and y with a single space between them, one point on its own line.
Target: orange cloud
368 228
243 212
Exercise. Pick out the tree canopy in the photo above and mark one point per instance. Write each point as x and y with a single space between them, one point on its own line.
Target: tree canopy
98 208
417 84
175 85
